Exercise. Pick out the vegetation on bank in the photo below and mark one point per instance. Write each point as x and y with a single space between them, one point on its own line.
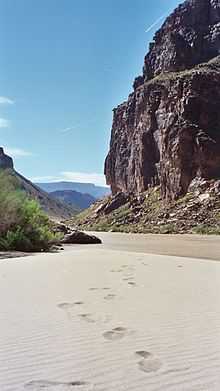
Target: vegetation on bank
206 68
197 212
23 225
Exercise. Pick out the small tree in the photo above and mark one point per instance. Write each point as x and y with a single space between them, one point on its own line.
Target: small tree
23 225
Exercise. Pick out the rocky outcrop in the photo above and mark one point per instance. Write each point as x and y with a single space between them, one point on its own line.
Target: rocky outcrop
108 205
5 160
168 131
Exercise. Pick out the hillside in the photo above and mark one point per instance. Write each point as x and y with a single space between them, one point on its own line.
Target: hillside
54 208
73 198
197 212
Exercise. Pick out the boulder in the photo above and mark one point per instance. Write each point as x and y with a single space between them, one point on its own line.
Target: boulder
78 237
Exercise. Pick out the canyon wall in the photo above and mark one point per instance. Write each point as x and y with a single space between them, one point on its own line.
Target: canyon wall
168 131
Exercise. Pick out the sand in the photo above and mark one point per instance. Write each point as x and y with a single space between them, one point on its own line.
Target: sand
99 319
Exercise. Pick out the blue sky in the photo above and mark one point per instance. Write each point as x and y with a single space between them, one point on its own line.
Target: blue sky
65 64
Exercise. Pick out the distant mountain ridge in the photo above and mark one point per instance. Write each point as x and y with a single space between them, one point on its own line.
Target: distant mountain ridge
74 198
86 188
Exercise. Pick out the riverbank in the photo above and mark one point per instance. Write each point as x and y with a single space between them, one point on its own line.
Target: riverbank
95 318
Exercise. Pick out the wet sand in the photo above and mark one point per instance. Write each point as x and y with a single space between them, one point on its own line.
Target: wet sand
104 319
192 246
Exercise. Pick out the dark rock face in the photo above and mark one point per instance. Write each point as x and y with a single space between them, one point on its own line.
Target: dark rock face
5 160
168 132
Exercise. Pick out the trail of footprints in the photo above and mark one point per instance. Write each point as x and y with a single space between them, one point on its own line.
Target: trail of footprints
147 363
58 386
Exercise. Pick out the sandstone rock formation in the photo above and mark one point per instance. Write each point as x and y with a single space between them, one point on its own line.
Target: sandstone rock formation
5 160
168 131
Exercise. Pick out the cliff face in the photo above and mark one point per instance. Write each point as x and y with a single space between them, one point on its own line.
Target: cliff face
168 132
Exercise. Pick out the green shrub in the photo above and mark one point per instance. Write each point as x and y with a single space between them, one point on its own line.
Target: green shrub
203 229
23 225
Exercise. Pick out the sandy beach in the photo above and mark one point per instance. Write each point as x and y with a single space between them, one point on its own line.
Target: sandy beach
105 319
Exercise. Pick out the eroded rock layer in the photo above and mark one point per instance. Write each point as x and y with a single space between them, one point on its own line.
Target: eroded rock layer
168 131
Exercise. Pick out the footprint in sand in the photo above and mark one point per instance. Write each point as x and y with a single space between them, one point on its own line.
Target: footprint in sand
149 363
128 267
67 306
93 318
87 317
110 297
115 334
143 354
128 278
58 386
133 284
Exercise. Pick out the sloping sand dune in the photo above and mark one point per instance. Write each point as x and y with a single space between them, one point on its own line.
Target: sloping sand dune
103 320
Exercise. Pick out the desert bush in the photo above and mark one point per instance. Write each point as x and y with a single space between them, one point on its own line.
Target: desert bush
23 225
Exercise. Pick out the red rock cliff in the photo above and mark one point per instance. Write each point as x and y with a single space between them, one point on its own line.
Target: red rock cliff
168 131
